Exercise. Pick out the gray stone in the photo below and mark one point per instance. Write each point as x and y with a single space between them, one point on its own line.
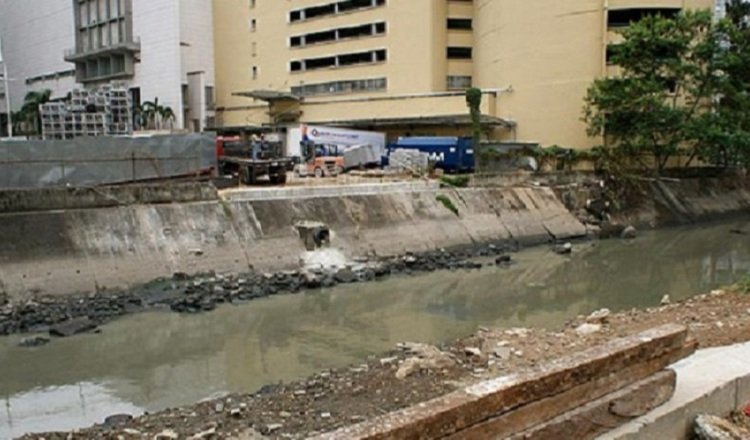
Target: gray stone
598 317
473 351
502 353
117 420
167 434
629 233
72 327
563 249
34 341
346 276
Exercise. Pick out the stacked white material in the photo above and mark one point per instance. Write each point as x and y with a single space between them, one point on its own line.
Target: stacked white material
408 160
103 111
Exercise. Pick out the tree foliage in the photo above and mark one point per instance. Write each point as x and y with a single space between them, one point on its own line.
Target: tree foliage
474 102
153 114
29 114
682 86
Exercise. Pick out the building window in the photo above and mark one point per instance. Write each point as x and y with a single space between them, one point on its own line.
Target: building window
252 4
460 24
349 59
456 82
459 53
623 17
334 8
253 24
210 102
360 31
254 49
255 72
339 87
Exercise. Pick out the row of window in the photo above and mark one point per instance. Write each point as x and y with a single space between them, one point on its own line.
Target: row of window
349 59
453 82
334 8
359 31
337 87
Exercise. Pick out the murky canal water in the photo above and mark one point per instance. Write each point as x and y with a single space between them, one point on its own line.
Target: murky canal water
156 360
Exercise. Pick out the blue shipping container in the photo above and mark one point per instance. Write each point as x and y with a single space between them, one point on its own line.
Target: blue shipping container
452 154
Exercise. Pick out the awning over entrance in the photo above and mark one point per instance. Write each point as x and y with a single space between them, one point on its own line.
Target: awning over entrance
420 121
269 95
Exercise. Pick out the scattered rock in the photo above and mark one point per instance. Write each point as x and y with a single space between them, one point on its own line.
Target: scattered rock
167 434
34 341
718 292
197 252
588 329
131 431
117 420
502 353
629 233
665 300
270 428
709 427
599 317
325 415
208 433
473 351
426 357
519 332
235 412
219 407
503 259
72 327
389 360
563 249
346 276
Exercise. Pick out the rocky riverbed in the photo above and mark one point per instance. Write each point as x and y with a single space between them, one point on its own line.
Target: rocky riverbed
183 293
414 373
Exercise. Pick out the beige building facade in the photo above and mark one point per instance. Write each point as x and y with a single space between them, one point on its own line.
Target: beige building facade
402 66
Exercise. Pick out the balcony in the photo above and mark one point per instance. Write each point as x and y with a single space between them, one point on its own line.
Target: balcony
73 55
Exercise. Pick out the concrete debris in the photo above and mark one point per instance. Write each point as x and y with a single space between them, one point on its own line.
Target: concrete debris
502 353
708 427
588 329
131 431
388 360
519 332
270 428
208 433
425 357
665 300
599 317
167 434
473 351
718 292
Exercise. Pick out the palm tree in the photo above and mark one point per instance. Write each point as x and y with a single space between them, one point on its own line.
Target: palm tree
153 114
30 111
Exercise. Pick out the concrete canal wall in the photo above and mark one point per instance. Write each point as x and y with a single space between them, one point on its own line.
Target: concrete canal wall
67 251
63 241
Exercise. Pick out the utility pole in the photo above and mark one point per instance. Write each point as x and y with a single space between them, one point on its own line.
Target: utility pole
7 90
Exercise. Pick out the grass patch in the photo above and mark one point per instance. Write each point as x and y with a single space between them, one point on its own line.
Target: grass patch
460 181
743 285
442 198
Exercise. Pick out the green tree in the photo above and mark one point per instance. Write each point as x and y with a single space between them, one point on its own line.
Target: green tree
30 110
667 82
723 133
474 102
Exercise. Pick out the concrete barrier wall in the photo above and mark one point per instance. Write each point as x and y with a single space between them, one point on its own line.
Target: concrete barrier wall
70 251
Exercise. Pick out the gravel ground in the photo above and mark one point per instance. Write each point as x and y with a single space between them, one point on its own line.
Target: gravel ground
414 373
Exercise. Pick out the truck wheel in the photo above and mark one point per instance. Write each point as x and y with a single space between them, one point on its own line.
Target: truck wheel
319 172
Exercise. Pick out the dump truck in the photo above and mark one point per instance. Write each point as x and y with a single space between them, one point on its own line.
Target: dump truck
252 160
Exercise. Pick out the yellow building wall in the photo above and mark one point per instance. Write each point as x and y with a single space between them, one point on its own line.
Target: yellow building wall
548 51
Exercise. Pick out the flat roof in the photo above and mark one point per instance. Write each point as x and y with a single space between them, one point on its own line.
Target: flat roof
424 121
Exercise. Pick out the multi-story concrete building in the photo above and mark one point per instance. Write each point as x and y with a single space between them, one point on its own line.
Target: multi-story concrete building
157 48
402 66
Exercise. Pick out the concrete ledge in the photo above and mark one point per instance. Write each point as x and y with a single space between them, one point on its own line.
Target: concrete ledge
714 381
309 192
61 198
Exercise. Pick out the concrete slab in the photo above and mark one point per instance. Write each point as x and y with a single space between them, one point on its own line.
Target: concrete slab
320 191
711 381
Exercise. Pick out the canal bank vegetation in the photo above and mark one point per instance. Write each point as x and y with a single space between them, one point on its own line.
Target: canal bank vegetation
683 90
